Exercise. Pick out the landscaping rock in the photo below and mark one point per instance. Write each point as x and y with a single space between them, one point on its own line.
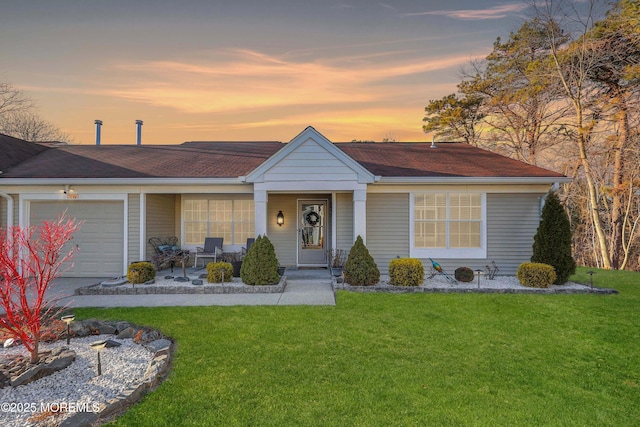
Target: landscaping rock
168 277
112 343
150 282
181 279
197 282
160 344
78 329
202 276
80 419
126 333
57 360
121 326
97 327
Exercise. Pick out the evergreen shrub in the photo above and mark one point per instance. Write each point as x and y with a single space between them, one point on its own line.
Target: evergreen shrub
536 275
260 265
215 271
361 269
406 272
140 272
552 242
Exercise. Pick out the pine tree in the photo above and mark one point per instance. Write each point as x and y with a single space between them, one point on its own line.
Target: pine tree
361 269
552 242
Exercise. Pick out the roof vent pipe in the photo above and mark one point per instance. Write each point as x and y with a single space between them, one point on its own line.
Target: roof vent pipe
98 126
139 124
433 142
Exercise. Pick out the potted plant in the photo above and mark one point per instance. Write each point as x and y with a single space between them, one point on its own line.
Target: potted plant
281 269
337 259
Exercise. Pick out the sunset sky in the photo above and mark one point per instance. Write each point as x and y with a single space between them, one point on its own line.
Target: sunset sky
244 69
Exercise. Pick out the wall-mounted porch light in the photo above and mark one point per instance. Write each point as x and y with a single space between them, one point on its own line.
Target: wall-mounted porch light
280 218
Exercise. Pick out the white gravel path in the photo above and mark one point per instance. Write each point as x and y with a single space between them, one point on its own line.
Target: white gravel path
77 387
499 282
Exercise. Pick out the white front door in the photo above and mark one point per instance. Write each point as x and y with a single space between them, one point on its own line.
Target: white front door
312 232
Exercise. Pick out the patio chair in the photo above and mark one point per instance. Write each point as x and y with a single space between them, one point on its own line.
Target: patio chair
212 249
250 242
166 250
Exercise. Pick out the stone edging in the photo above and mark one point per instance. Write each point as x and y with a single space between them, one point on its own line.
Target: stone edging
209 288
156 372
468 289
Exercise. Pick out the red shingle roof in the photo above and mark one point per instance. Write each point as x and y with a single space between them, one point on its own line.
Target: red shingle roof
14 151
446 160
233 159
189 160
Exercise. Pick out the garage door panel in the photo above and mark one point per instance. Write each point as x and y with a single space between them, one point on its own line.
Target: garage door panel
100 241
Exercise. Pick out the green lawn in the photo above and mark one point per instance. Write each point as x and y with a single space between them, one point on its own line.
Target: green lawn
411 359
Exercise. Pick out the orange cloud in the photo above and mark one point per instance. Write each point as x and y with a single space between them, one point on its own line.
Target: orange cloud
245 80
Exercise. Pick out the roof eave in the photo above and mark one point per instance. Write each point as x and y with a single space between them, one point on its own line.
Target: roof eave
118 181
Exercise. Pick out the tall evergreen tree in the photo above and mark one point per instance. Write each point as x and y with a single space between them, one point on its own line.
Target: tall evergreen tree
552 242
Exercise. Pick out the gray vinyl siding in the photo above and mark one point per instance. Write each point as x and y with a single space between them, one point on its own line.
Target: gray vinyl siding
512 221
284 238
133 227
310 160
344 221
160 218
3 211
387 227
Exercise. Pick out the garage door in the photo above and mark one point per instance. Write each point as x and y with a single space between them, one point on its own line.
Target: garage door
100 239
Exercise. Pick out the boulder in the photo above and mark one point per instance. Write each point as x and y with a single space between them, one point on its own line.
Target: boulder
126 333
58 359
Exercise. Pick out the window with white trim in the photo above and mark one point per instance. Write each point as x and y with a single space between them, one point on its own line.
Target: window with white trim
448 224
232 220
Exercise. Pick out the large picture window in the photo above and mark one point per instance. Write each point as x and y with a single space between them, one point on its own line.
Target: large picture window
232 220
448 224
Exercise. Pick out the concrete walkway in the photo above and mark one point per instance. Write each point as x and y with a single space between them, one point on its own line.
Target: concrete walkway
304 287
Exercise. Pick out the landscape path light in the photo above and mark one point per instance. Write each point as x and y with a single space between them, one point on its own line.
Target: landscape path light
99 345
478 273
68 319
591 273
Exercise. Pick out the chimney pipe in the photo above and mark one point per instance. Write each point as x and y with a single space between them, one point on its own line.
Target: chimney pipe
139 124
98 126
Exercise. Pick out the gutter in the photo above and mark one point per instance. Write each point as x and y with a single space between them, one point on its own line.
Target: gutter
474 180
118 181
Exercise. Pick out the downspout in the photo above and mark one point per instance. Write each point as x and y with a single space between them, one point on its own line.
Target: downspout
9 200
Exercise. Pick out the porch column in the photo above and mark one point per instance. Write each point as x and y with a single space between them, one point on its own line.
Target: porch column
360 215
260 203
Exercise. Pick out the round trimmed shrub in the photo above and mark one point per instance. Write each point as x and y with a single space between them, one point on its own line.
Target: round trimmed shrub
406 272
140 272
220 271
536 275
260 265
463 274
360 269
